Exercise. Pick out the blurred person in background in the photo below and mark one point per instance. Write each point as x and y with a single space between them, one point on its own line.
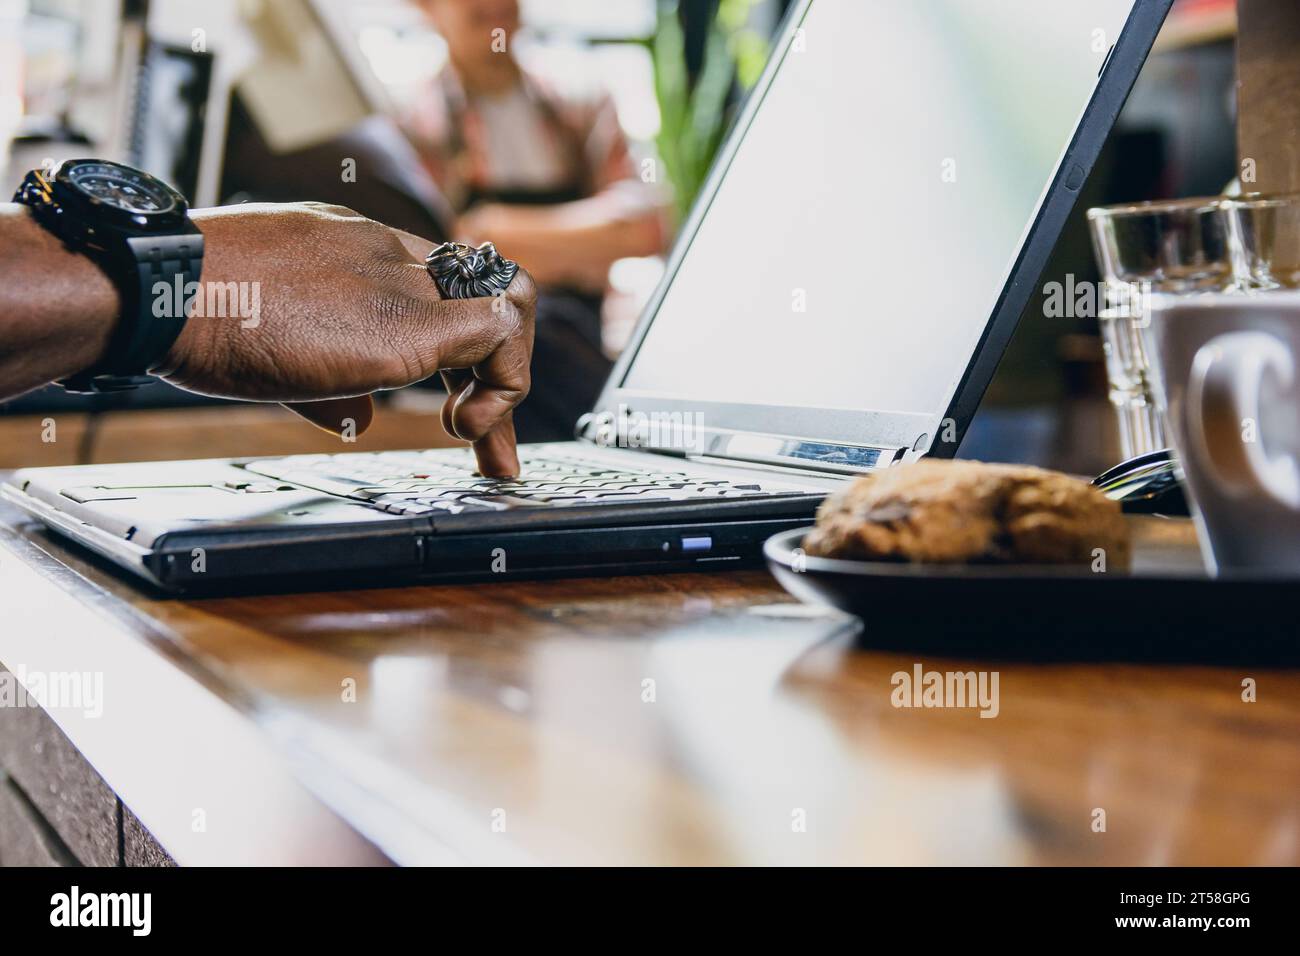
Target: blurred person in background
544 170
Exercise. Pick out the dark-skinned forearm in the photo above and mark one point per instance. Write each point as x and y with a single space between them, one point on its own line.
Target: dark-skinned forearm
57 308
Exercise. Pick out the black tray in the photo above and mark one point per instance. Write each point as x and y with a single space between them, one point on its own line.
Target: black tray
1166 609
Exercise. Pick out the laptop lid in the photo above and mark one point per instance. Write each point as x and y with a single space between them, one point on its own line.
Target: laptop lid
872 229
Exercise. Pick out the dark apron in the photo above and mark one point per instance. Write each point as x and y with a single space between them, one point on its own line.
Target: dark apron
569 367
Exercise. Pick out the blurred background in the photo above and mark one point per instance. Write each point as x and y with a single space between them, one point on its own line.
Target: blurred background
586 124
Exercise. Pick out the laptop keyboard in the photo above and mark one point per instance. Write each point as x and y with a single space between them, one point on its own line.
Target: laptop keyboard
442 481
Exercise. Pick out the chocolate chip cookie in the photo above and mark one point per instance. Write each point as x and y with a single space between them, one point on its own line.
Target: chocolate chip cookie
971 512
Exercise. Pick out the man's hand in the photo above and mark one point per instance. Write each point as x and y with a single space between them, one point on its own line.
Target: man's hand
346 308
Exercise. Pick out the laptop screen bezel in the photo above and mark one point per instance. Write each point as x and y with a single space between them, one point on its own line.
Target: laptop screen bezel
917 432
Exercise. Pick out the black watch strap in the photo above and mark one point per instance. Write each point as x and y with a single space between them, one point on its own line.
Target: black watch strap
157 278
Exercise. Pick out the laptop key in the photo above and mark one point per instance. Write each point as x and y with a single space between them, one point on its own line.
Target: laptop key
619 498
437 504
413 483
405 507
497 503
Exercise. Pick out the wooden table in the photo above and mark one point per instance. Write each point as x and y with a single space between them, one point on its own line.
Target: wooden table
680 719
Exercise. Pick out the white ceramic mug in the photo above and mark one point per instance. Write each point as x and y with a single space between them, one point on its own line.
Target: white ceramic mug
1227 375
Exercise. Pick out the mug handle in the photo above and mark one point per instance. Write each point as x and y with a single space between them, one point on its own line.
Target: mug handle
1222 394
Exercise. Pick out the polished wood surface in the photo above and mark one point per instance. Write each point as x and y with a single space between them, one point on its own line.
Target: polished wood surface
710 719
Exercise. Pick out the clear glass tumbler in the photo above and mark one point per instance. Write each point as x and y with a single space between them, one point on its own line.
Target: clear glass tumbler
1171 247
1264 238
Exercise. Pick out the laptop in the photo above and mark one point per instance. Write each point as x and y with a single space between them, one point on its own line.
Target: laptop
836 304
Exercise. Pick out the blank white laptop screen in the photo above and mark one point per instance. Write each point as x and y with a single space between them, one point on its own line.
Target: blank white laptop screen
856 247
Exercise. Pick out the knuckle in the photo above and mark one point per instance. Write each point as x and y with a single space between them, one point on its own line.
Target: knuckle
518 380
513 328
523 292
507 317
399 318
333 209
393 307
387 266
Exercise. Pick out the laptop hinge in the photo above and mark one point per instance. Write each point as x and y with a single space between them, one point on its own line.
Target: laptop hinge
802 454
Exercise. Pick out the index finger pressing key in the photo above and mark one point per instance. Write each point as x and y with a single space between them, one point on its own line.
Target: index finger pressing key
500 381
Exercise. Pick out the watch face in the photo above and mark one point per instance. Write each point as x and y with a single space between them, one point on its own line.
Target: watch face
122 188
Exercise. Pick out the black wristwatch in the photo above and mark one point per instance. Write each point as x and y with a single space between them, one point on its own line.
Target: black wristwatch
138 230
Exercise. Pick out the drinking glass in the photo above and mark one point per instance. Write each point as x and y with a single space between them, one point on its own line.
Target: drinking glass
1264 239
1173 247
